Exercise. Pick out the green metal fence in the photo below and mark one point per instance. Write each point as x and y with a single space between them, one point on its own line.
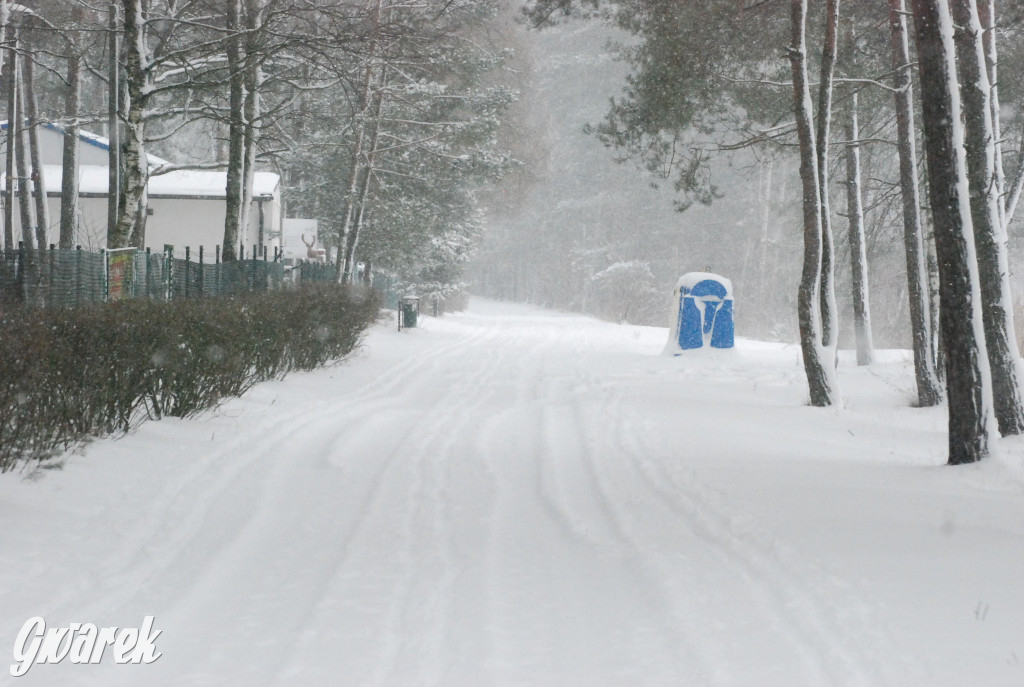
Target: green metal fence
61 277
66 278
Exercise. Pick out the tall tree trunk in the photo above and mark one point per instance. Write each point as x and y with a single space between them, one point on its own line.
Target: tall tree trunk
10 73
821 376
131 206
929 390
249 158
987 16
765 199
989 237
366 178
5 18
351 193
253 81
968 378
368 274
69 158
236 132
858 249
827 284
355 174
24 185
115 108
38 173
938 352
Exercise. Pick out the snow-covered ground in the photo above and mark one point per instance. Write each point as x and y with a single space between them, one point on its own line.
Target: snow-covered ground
517 497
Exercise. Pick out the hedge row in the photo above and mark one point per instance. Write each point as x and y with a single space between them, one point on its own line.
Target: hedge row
68 374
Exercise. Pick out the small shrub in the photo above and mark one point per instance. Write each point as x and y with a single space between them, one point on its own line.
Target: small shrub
67 374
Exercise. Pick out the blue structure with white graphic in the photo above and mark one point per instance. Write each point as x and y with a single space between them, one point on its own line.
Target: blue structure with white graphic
702 315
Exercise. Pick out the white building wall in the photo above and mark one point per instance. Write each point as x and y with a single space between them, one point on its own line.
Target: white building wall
179 222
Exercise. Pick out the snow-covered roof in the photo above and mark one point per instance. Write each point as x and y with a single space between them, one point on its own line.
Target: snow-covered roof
195 182
93 180
95 140
102 142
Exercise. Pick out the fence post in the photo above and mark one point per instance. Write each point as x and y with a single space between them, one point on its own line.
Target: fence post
20 271
169 271
53 269
202 273
188 270
78 274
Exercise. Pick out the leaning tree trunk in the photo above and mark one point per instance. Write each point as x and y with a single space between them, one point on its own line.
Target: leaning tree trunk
858 249
821 376
989 237
929 390
827 283
38 174
968 379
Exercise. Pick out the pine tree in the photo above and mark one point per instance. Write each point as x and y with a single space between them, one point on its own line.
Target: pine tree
968 379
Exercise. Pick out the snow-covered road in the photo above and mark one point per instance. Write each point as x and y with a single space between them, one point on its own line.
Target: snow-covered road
517 497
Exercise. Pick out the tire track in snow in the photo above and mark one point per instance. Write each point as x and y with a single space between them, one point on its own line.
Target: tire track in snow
182 511
413 568
794 599
561 564
427 590
376 496
586 491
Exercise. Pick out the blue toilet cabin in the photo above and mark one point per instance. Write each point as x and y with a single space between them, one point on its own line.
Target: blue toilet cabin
705 315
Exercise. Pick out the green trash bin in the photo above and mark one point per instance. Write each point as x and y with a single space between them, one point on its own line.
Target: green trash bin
409 310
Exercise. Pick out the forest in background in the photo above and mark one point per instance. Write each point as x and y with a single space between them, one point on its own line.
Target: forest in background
618 246
823 86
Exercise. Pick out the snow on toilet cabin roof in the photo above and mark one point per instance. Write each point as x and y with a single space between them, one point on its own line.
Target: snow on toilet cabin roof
690 280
